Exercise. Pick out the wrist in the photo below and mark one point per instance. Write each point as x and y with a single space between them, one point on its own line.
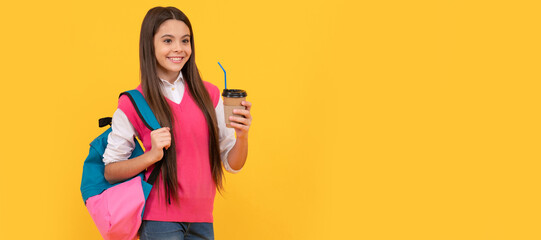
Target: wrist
242 139
155 155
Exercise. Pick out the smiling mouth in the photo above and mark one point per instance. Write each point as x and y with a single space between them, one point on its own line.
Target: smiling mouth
175 59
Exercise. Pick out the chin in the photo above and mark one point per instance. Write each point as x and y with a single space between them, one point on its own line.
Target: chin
175 68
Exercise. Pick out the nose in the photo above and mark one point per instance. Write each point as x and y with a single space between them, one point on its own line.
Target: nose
177 47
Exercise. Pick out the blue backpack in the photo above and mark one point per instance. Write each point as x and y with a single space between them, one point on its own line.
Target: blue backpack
117 209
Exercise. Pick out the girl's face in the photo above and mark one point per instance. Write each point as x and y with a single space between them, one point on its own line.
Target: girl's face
172 47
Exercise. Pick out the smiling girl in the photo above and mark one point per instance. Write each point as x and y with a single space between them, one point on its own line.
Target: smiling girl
194 134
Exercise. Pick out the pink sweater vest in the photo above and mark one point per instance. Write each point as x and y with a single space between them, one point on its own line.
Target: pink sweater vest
196 189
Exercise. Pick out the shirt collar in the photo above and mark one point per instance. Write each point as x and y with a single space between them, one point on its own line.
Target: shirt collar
179 78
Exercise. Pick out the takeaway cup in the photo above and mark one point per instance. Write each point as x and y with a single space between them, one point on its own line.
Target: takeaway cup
232 100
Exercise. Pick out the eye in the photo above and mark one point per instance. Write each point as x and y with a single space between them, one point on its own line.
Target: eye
167 41
187 40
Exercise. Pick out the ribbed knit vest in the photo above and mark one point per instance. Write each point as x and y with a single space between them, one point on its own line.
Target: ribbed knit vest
196 189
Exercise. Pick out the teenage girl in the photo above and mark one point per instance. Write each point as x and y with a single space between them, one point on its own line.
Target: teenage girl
194 134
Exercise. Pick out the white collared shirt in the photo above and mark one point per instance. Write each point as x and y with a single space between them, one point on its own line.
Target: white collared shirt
121 143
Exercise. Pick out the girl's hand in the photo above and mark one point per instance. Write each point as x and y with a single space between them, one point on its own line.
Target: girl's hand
242 124
160 138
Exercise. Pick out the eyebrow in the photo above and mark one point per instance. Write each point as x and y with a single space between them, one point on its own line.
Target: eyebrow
171 36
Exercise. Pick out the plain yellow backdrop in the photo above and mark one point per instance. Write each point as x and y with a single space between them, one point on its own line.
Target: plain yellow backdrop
372 119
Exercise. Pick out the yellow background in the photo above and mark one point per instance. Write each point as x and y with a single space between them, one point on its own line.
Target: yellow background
372 119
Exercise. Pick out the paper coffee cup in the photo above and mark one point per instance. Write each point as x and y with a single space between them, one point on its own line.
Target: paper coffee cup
232 100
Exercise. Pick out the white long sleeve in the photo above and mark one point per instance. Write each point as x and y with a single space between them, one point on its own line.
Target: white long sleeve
121 142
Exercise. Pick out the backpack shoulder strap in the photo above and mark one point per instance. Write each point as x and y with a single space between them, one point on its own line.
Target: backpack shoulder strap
149 119
142 109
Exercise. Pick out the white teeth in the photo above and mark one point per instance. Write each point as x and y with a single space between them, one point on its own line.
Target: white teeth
176 59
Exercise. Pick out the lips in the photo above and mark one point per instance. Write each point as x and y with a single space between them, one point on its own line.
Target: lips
175 59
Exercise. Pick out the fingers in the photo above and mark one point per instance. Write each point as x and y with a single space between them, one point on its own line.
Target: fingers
162 130
239 126
164 143
247 104
159 135
245 121
161 138
242 124
245 113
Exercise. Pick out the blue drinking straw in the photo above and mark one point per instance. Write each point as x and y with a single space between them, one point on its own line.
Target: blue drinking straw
225 75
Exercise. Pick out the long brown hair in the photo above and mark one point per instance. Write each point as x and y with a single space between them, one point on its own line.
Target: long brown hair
150 83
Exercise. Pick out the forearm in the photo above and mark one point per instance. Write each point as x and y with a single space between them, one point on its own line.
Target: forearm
238 154
120 171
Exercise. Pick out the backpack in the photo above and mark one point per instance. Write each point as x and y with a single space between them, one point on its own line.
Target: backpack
117 209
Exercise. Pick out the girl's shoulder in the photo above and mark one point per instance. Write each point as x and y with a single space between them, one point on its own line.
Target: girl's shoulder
213 91
211 87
